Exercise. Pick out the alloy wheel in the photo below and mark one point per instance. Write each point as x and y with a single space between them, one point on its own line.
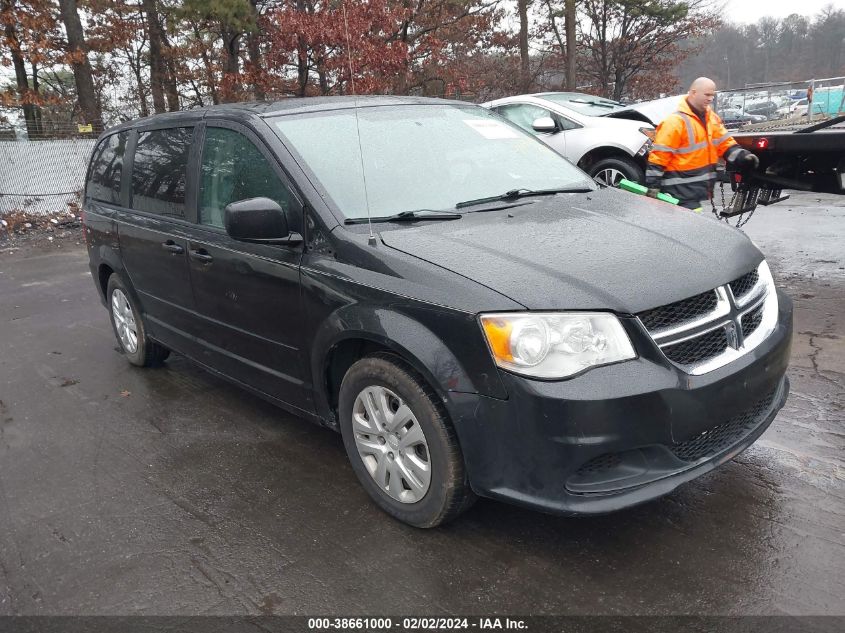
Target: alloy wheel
609 177
124 321
391 444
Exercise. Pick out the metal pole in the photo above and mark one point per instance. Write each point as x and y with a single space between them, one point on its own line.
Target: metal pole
810 100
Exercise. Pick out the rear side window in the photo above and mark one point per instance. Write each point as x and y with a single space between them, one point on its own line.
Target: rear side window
107 169
159 172
234 169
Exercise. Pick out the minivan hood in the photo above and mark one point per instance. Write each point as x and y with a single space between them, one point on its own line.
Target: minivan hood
605 250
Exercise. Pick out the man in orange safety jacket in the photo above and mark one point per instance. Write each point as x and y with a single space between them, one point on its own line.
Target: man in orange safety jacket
687 146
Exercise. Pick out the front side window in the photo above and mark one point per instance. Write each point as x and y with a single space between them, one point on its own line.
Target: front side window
566 124
523 115
234 169
390 159
107 169
159 173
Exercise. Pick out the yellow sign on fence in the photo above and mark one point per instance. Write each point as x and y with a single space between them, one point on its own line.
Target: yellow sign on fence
85 128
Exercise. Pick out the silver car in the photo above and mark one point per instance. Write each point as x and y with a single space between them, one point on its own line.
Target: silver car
604 138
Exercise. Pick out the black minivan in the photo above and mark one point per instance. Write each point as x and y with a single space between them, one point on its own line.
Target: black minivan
468 309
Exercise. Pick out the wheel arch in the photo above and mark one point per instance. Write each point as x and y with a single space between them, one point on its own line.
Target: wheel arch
107 261
594 155
337 347
103 273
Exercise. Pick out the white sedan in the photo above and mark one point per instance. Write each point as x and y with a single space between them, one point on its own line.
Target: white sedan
604 138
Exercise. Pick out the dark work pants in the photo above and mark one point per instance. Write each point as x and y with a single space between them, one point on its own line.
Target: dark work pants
690 204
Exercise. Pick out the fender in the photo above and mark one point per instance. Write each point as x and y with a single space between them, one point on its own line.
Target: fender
112 259
605 145
103 244
458 364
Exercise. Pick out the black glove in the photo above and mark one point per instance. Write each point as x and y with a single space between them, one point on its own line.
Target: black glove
747 161
652 192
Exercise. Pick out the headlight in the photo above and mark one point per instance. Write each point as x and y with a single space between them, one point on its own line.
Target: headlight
649 132
555 344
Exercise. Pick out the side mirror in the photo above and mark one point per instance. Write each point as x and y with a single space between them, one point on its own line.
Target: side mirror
258 220
545 124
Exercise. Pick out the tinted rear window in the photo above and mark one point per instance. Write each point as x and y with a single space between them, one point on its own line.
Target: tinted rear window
159 172
107 169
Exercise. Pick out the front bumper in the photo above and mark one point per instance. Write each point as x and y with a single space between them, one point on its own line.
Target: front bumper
619 435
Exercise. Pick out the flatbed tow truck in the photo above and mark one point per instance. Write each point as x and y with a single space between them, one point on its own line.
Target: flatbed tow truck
803 152
794 154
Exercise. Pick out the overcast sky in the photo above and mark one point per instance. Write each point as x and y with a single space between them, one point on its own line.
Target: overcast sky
749 11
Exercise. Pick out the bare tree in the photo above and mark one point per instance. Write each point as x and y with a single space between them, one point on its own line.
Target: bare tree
627 39
27 96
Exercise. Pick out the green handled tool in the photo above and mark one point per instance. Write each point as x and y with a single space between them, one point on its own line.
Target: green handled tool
634 187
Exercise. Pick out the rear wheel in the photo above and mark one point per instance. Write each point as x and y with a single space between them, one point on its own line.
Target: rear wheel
609 171
129 326
401 443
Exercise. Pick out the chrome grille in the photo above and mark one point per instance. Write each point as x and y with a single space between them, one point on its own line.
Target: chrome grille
711 329
713 441
751 320
679 312
698 349
742 286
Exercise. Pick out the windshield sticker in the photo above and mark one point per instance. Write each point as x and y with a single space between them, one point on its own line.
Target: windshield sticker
491 129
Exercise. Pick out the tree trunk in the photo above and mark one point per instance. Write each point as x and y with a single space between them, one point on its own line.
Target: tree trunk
324 81
301 55
135 62
30 110
157 69
618 85
255 56
171 91
39 122
232 44
571 80
524 72
82 74
302 66
231 88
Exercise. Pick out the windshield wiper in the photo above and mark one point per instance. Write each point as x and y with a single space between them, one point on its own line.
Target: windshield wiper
601 104
408 216
516 194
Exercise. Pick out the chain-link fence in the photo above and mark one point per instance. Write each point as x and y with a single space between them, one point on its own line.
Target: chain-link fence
793 104
42 177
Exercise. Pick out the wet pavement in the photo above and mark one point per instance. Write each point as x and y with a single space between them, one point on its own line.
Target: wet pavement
168 491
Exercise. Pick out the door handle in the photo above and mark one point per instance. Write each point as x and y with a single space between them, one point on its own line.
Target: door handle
173 247
201 255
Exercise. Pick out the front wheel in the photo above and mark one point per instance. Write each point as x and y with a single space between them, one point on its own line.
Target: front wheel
609 171
401 443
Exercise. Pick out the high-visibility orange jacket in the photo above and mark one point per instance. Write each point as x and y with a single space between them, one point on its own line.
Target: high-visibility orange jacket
683 157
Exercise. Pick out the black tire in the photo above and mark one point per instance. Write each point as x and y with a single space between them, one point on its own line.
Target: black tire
624 166
147 353
448 493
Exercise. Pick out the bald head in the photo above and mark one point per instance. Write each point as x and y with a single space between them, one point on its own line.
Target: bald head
701 93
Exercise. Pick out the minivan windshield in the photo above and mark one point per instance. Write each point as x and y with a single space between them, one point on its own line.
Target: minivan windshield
421 156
